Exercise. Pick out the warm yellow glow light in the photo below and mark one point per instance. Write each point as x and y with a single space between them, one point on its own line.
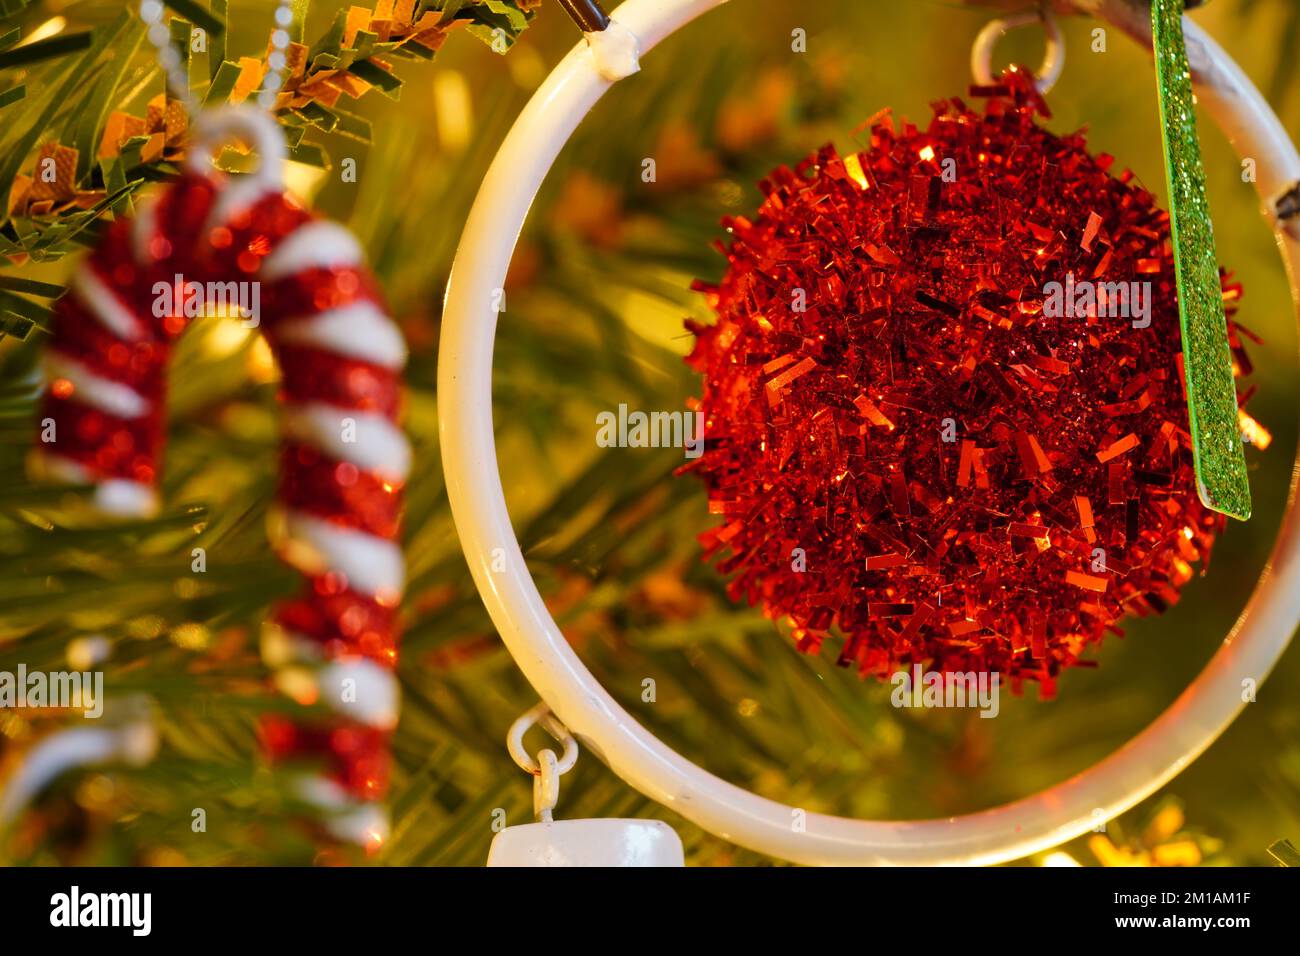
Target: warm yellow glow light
226 337
51 27
303 179
453 110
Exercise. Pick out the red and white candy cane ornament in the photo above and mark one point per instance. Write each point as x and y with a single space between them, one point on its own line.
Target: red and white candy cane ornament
344 457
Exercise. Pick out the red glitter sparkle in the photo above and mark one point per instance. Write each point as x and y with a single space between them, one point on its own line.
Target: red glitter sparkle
974 482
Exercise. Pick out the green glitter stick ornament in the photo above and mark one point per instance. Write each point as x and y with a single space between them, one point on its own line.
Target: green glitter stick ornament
1221 478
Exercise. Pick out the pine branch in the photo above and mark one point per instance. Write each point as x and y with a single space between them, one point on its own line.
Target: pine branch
594 318
348 59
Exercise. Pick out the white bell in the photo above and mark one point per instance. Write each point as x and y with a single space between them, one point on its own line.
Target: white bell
588 843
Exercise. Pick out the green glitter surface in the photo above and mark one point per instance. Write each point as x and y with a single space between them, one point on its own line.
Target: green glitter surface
1211 392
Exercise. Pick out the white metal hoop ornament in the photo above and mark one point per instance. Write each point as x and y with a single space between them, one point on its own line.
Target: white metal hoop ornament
1035 823
981 54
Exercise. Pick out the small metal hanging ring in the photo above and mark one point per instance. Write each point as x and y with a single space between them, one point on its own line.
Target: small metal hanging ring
546 786
541 714
981 54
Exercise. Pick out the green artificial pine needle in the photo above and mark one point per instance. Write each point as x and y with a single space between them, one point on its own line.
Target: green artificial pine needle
1285 853
1221 476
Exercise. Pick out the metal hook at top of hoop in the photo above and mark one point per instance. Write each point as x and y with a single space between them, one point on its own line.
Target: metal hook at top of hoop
1049 71
615 50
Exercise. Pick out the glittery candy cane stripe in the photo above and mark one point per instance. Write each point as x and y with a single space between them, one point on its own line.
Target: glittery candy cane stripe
114 496
344 460
360 329
369 441
106 445
368 691
346 384
137 365
355 757
232 203
346 818
103 302
315 245
143 231
92 389
336 621
313 482
366 563
339 526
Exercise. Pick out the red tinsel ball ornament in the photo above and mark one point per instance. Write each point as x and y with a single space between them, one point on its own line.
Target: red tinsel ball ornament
909 442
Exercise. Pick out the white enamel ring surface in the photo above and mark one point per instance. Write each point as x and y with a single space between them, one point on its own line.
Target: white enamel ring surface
1013 830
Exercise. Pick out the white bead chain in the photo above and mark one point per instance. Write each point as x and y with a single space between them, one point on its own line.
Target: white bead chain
151 12
277 60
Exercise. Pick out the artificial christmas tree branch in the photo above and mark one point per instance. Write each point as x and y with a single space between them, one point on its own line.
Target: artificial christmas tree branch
593 319
350 59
